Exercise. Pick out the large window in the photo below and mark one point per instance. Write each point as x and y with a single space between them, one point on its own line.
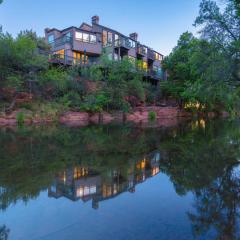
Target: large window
93 39
79 58
85 37
50 38
110 38
116 40
104 38
132 43
107 38
59 54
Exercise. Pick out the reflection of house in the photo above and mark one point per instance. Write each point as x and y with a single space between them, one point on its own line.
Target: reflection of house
82 183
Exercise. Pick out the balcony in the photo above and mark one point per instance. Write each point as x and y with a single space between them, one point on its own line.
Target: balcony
123 42
61 41
141 50
68 60
151 55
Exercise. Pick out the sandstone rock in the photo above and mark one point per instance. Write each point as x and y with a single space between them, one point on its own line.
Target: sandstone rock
74 118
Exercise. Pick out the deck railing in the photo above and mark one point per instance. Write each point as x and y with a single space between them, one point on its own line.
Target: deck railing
69 60
61 41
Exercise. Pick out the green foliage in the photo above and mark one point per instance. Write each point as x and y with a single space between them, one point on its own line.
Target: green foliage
20 118
152 116
206 70
20 59
55 79
71 99
95 103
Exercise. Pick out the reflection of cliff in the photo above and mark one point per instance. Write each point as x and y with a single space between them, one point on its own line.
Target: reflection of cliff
82 183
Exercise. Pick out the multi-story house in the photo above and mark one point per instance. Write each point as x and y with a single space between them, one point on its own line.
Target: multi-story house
85 44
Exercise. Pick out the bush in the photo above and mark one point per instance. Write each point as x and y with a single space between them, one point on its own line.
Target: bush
71 99
20 118
94 103
152 116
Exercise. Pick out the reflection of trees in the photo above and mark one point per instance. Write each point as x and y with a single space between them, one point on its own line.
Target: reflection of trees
217 206
30 158
4 232
203 161
197 159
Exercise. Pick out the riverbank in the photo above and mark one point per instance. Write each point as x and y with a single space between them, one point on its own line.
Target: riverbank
160 115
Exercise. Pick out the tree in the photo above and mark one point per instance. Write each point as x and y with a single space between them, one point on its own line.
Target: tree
206 71
223 29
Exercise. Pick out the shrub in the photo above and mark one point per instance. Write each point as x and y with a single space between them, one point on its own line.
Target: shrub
152 116
71 99
20 118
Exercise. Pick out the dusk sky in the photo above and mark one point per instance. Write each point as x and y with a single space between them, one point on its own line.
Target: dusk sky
159 23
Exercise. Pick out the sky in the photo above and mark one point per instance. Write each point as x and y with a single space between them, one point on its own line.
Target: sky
159 23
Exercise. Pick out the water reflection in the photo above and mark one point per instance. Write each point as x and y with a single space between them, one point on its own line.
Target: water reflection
4 232
83 183
95 164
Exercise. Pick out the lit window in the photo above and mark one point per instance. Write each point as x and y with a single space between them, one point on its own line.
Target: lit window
77 59
145 66
79 36
51 38
104 38
79 191
60 53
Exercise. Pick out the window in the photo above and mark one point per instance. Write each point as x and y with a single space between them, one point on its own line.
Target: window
107 38
93 39
132 43
50 38
68 35
110 38
145 66
59 54
157 56
79 36
85 37
144 50
104 38
79 58
116 40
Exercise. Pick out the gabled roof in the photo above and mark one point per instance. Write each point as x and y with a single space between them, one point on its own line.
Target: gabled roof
85 26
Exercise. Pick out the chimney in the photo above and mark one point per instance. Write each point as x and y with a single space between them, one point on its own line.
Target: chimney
134 36
95 19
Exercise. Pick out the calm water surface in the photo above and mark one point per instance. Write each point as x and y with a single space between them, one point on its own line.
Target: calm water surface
120 182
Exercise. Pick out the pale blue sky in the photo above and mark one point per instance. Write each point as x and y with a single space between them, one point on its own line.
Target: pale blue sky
159 23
